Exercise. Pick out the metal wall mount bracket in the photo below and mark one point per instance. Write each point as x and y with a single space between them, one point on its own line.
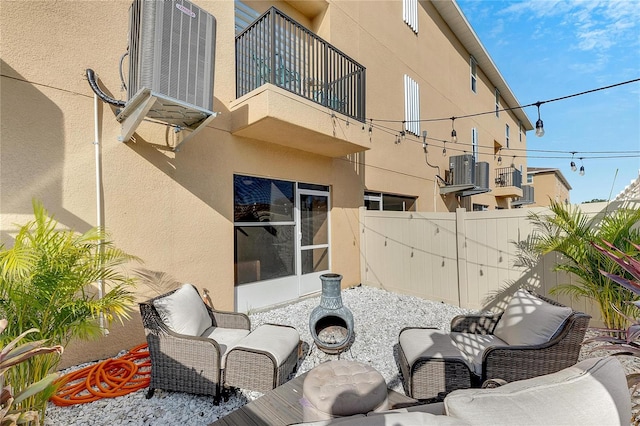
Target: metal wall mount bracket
148 104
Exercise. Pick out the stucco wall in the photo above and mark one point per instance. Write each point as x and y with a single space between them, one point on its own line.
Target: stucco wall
174 210
549 188
374 34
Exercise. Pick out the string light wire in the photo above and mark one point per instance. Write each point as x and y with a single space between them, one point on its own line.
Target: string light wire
376 124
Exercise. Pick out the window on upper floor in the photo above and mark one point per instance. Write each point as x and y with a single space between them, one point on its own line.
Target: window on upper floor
474 143
410 14
529 178
244 16
506 135
411 106
497 93
520 130
474 74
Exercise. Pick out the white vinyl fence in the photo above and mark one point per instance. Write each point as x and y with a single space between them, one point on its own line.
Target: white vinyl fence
466 259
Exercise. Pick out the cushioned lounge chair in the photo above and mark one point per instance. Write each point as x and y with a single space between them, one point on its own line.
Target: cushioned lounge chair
532 337
200 350
187 340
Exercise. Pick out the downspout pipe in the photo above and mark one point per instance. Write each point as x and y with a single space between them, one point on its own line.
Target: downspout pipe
91 77
99 197
426 159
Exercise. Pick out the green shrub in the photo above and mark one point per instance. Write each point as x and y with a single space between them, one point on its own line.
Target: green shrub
571 233
49 281
624 342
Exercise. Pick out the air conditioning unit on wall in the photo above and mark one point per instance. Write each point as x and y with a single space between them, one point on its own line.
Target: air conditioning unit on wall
172 51
463 169
482 174
171 65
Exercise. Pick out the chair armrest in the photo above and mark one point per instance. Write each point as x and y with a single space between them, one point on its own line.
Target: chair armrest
191 351
228 319
513 363
476 324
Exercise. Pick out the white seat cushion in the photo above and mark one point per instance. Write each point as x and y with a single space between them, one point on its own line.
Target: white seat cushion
391 419
276 340
226 338
183 311
430 342
528 320
474 346
592 392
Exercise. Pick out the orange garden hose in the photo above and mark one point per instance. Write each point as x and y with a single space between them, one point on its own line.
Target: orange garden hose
107 379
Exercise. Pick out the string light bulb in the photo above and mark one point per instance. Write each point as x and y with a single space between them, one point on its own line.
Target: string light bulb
424 141
444 148
539 123
454 135
499 157
573 163
581 172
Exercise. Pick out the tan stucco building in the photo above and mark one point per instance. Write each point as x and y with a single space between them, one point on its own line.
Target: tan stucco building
549 184
322 106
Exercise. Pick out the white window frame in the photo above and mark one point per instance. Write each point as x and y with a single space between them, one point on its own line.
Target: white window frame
506 135
474 144
473 69
520 130
497 93
379 197
411 106
370 196
410 14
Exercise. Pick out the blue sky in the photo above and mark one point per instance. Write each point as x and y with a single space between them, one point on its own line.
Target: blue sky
547 49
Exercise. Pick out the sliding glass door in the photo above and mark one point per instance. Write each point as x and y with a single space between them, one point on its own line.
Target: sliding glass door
281 240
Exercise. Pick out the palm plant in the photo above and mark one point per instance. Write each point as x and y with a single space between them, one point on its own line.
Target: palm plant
570 233
10 356
628 341
48 281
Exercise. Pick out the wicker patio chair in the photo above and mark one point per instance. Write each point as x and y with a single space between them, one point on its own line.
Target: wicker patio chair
434 363
186 363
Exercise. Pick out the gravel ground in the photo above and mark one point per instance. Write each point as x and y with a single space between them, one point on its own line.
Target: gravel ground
378 318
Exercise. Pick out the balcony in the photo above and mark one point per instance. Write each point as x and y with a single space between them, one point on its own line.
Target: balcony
527 196
290 86
465 177
508 182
